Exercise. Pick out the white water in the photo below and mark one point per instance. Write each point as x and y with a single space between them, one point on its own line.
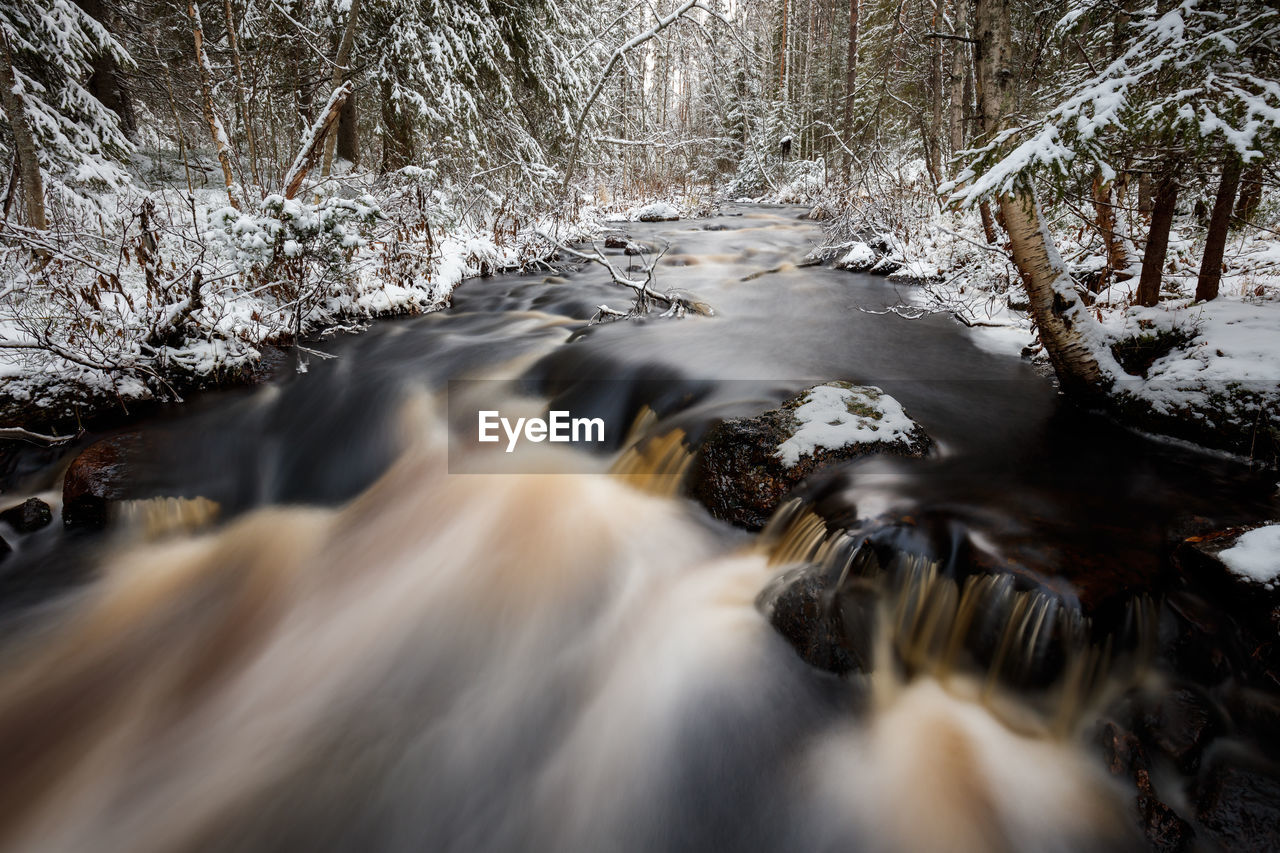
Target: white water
491 662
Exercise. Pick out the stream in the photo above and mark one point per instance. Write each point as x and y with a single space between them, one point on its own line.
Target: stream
372 633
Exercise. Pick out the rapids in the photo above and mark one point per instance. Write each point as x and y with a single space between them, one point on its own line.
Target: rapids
370 634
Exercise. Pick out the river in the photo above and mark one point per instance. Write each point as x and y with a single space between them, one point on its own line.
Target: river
392 639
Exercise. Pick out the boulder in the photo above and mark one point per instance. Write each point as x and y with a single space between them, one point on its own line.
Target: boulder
659 211
1165 830
1238 802
634 249
859 258
1248 555
28 516
830 629
1182 724
616 241
98 477
746 466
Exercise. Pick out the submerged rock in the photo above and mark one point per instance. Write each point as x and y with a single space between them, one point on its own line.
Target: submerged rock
28 516
746 466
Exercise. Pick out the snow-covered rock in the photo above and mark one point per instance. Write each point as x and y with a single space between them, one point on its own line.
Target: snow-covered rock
659 211
1255 555
915 272
859 258
746 466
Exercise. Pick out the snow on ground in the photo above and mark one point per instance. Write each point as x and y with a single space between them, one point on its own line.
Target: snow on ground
88 330
834 416
1256 555
1214 348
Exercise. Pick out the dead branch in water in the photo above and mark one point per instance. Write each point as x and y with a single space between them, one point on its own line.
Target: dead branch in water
677 305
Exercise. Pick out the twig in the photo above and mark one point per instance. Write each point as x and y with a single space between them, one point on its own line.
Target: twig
20 434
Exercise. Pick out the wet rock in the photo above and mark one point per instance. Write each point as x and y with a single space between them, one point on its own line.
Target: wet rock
1165 830
616 241
1246 609
1238 802
634 249
832 630
1182 724
746 466
28 516
1125 757
1205 553
98 477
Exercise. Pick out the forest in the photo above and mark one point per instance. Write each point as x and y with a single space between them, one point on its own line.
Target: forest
926 360
188 183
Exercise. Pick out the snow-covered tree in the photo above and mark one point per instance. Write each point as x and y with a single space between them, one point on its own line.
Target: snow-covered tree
49 49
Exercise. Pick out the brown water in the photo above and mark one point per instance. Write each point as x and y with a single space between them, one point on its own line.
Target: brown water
378 643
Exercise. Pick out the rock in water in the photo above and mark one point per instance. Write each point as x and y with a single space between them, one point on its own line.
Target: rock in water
746 466
97 477
616 241
1240 805
660 211
28 516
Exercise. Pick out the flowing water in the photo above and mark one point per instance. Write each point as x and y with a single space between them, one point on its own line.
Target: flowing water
368 634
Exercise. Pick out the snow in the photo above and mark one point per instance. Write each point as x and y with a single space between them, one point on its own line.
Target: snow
1256 555
826 421
658 211
859 257
915 271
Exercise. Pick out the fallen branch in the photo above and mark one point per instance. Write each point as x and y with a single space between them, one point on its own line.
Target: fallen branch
313 142
20 434
677 305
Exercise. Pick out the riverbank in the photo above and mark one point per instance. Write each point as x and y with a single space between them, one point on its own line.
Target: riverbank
1204 372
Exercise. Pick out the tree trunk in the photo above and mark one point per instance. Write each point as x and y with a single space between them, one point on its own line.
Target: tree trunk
242 100
934 148
349 132
24 144
1056 310
107 83
1145 202
782 62
1250 192
1104 207
1164 202
850 80
315 141
988 223
955 80
1219 223
219 133
397 134
340 64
